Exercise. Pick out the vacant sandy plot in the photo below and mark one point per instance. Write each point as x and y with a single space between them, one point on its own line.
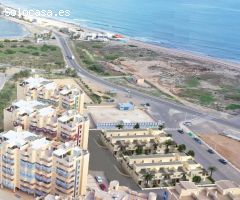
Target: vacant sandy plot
114 115
227 147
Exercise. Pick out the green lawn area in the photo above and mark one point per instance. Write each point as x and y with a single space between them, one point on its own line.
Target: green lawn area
7 95
233 107
192 82
26 53
198 95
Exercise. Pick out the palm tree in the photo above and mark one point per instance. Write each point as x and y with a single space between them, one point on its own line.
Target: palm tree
181 147
137 126
197 179
191 153
120 126
161 127
148 177
167 144
212 169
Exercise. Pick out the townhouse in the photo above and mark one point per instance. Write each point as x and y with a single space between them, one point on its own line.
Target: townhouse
128 141
165 169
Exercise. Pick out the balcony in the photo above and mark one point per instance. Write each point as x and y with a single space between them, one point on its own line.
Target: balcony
43 179
8 171
64 185
7 184
7 160
27 164
43 168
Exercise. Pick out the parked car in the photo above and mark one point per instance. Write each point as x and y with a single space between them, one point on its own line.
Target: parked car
198 140
222 161
187 123
181 131
210 151
99 179
103 187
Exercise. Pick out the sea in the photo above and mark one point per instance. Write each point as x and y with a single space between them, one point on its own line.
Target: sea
207 27
11 30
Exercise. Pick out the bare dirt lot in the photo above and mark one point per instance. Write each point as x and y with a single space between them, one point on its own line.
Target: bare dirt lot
227 147
188 78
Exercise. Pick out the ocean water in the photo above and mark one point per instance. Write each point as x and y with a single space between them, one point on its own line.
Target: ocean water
10 29
209 27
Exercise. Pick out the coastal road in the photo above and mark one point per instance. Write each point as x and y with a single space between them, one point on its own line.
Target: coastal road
136 94
161 110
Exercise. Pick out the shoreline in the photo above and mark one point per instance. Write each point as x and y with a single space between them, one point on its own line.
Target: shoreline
70 23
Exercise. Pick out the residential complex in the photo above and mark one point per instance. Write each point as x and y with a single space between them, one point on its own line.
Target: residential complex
144 152
38 166
47 91
130 140
165 169
51 122
222 190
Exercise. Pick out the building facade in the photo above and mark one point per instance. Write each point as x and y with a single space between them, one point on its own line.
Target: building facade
37 166
46 120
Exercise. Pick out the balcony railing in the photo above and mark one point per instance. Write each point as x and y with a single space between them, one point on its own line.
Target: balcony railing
7 160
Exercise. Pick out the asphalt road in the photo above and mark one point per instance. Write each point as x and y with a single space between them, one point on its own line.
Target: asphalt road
161 110
102 160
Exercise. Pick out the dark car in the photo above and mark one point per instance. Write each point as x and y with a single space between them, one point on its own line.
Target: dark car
103 187
210 151
222 161
198 140
181 131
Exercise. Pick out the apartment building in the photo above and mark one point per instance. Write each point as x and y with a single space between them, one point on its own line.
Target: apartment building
37 166
18 114
46 120
166 169
149 140
47 91
73 126
221 190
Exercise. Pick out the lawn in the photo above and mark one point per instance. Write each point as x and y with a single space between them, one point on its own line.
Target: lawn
26 53
192 82
233 107
198 96
7 95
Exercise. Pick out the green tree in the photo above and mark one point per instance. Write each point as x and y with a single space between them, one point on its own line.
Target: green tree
139 150
161 127
120 126
137 126
148 177
167 144
212 169
181 147
197 179
191 153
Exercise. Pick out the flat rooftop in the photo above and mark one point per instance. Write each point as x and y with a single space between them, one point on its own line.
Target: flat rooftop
27 106
114 115
14 138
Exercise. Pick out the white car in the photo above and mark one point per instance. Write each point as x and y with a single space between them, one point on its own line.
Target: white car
99 179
